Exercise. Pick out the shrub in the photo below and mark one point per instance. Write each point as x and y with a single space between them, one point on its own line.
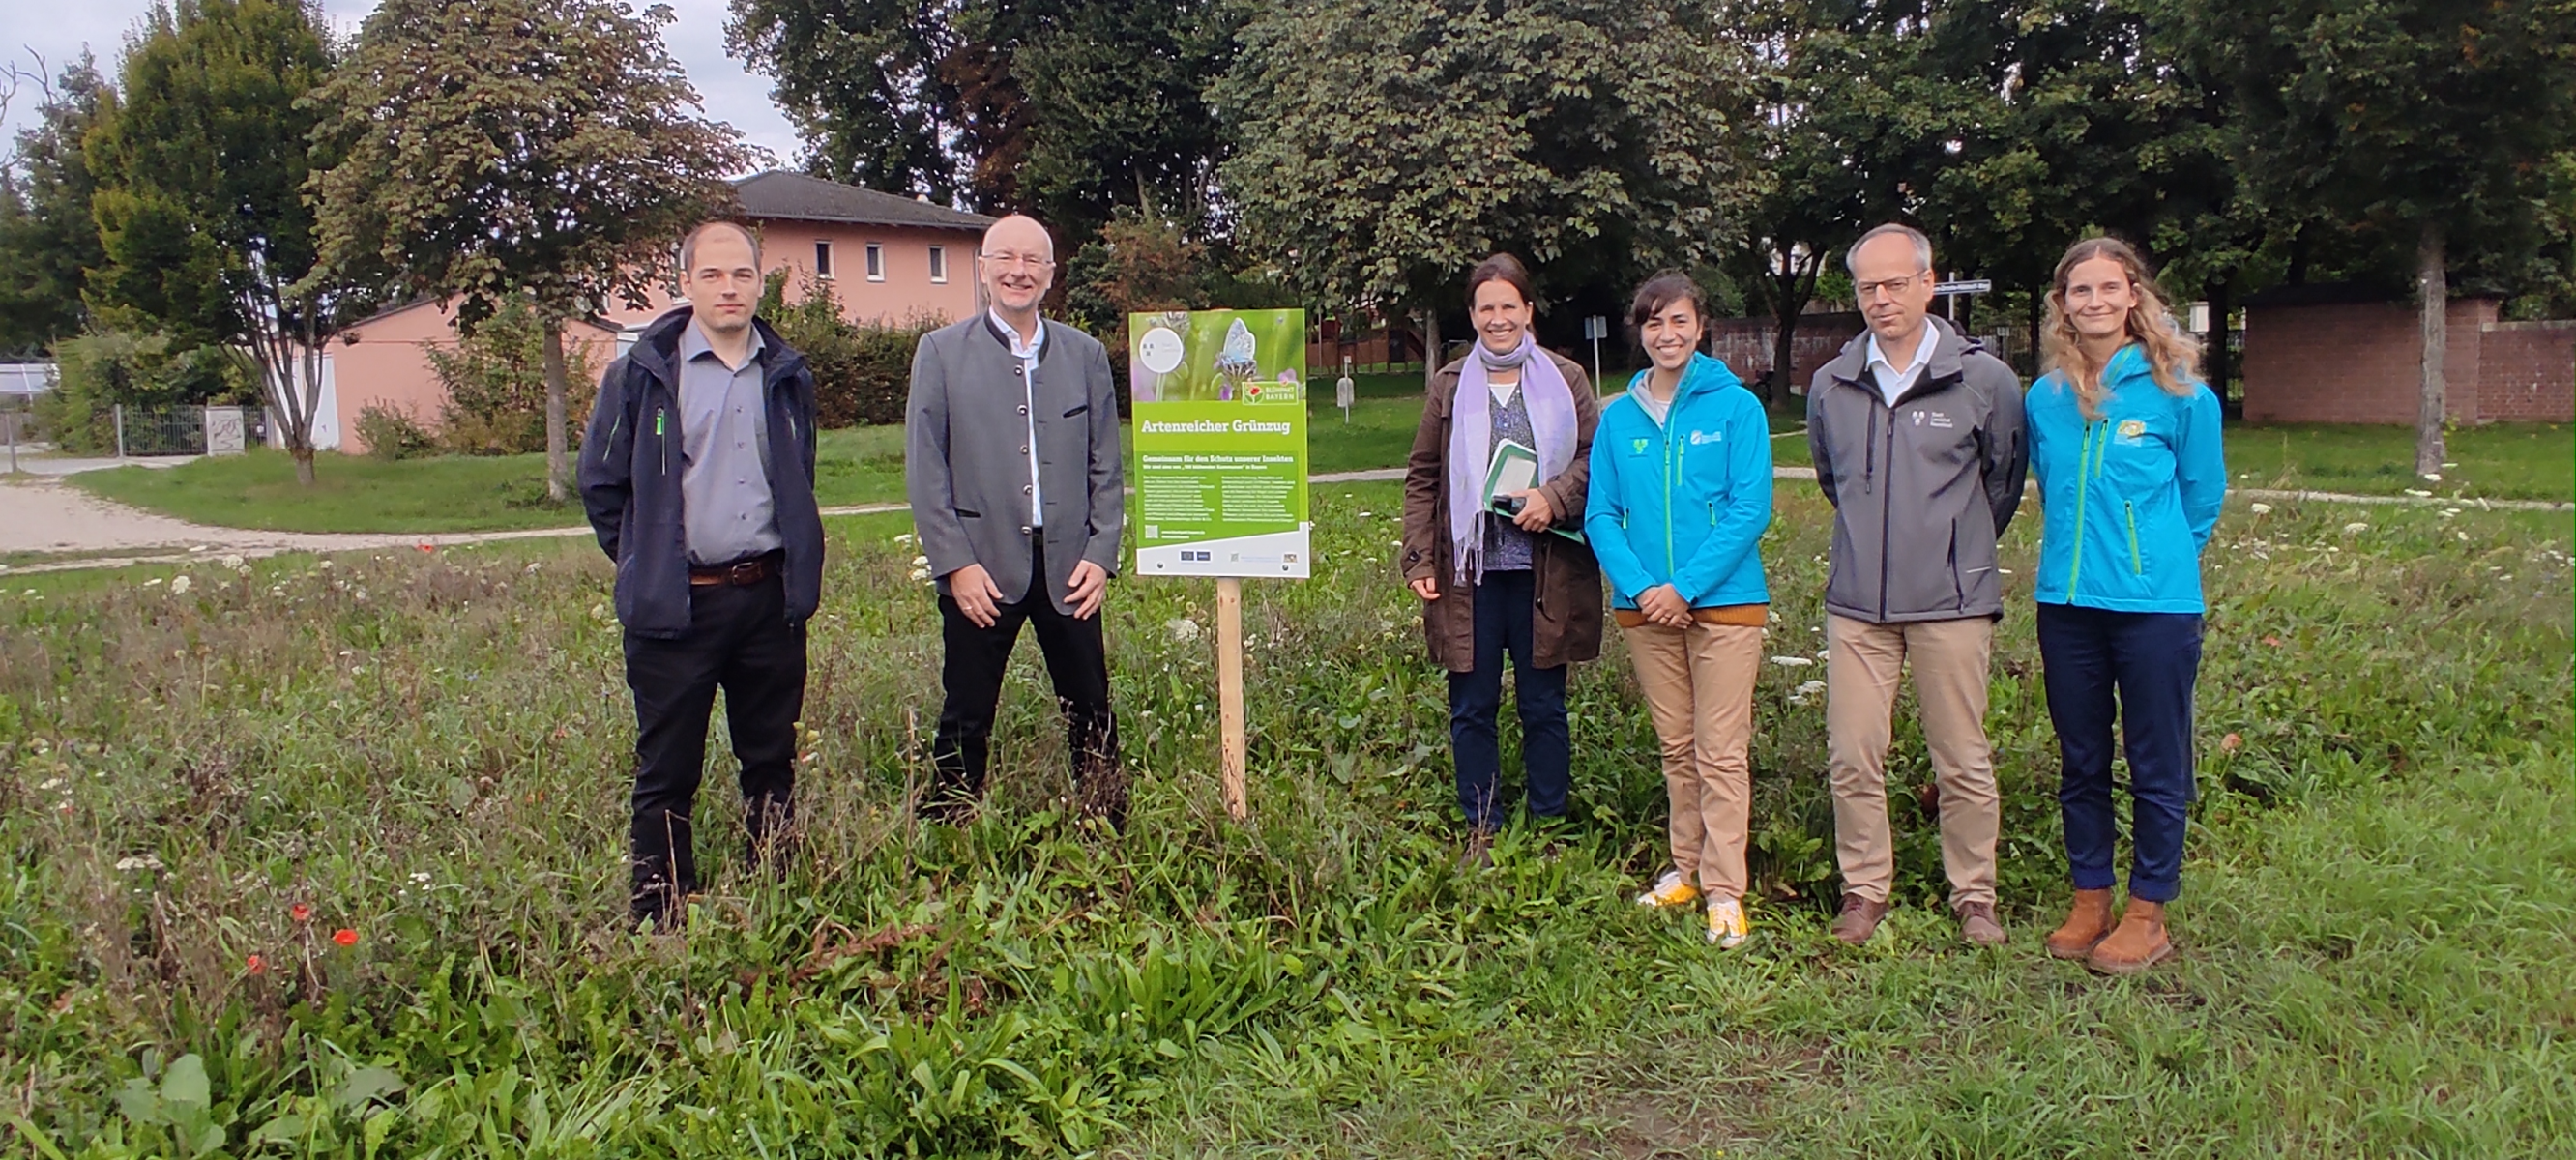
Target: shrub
862 373
100 370
496 386
392 433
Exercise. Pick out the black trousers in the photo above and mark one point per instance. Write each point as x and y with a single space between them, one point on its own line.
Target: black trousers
1077 663
739 640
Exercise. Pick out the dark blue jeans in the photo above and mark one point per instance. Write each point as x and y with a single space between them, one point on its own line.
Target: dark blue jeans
2147 662
1503 602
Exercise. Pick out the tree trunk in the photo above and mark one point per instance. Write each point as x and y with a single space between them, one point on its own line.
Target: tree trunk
1784 336
2434 289
304 462
558 478
2219 309
1430 346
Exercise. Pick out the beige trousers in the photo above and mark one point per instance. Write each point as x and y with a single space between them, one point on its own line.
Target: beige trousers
1864 663
1699 689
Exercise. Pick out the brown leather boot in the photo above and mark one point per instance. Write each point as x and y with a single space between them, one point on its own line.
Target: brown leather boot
2138 944
2087 923
1859 919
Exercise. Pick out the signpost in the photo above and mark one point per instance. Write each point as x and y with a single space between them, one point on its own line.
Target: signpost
1345 392
1950 292
1596 328
1220 470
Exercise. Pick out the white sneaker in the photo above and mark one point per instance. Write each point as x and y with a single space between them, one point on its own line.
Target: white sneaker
1670 890
1726 926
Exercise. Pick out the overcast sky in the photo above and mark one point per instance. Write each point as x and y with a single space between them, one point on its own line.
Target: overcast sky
58 29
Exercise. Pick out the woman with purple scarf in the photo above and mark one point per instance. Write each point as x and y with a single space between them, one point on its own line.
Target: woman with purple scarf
1493 505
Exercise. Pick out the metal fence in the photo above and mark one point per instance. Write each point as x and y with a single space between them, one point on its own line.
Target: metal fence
149 431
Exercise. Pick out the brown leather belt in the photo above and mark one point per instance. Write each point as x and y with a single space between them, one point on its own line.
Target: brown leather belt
739 573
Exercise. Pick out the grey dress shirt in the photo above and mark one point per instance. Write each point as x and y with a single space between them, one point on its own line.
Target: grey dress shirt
725 508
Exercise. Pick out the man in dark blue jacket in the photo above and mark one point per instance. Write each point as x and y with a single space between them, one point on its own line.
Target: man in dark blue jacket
698 473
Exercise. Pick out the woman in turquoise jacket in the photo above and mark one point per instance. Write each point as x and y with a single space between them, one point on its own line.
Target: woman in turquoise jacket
2124 443
1681 493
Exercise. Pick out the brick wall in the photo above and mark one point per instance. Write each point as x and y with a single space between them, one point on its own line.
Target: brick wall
2527 372
2361 362
1744 344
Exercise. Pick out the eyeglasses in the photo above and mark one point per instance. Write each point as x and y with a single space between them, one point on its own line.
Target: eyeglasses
1016 261
1864 291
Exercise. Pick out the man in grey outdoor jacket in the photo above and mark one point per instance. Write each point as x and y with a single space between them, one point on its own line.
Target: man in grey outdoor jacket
1916 434
1018 493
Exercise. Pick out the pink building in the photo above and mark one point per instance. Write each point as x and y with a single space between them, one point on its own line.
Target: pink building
885 258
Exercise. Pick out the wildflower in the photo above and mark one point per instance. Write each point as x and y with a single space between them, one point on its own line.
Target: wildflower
919 561
2355 528
532 567
277 590
2464 537
2231 743
141 862
2273 641
1182 628
49 783
921 575
1365 515
1806 692
255 965
232 560
179 584
300 912
154 582
1792 662
324 565
345 937
2435 476
600 613
431 548
421 878
2260 509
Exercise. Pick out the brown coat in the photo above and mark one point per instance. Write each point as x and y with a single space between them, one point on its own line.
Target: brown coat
1566 617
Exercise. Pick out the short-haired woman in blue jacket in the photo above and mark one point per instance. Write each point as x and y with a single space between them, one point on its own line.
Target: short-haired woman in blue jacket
1681 493
2124 443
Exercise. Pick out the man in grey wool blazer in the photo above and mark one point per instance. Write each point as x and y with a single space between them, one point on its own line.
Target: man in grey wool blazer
1018 494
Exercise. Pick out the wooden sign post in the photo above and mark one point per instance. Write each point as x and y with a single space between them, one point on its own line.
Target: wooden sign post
1220 446
1229 690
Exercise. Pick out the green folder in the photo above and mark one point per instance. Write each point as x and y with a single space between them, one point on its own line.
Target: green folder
1513 469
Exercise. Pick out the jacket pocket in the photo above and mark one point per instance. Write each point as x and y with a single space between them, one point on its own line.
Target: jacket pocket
2137 560
1077 410
963 514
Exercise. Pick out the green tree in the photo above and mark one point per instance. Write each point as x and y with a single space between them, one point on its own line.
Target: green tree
2433 122
1386 145
48 236
520 146
1066 110
200 207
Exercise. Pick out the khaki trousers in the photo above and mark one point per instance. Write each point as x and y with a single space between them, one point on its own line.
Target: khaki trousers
1699 688
1864 663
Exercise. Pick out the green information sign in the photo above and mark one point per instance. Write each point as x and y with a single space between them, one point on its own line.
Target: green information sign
1220 402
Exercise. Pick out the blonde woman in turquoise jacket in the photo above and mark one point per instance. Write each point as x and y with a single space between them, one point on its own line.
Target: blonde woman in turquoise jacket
1681 493
2125 446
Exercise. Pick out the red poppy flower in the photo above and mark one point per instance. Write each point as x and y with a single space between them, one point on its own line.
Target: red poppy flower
300 912
345 937
255 965
429 547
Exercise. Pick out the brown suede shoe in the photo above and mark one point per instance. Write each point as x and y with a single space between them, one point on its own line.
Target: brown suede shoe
1977 924
2087 923
2138 944
1859 919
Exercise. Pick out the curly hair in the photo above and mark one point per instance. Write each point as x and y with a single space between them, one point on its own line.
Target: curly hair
2173 355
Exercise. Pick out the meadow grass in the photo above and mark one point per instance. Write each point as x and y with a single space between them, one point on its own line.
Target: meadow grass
447 493
429 751
2498 461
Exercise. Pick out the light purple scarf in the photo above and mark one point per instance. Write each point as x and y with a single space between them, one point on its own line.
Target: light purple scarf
1471 441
